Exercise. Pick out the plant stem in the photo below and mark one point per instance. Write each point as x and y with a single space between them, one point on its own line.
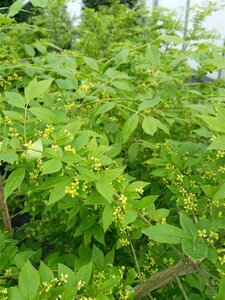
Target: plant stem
5 210
181 288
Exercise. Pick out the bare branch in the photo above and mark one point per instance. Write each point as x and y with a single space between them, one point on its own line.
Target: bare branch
164 277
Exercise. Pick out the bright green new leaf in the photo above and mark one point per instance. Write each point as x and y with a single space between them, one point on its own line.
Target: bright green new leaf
71 280
15 99
146 201
105 107
174 39
108 284
165 233
122 85
92 63
39 3
22 257
14 115
150 125
135 186
15 8
36 88
215 123
121 57
46 274
129 126
29 50
14 293
195 249
106 190
84 273
51 166
130 216
13 181
218 143
220 194
8 156
58 191
152 54
188 226
35 151
29 281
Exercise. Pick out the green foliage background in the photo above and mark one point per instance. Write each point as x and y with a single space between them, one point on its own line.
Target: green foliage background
114 152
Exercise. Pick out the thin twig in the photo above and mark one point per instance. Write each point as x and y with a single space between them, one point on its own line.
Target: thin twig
181 287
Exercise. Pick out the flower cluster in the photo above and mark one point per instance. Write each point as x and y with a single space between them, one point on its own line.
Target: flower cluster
72 190
48 131
69 148
96 164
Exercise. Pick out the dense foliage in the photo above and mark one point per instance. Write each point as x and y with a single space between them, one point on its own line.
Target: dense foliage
112 161
96 3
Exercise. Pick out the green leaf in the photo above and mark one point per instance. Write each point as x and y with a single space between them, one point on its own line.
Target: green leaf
8 156
39 3
109 175
13 181
150 125
92 63
105 107
152 54
165 233
175 39
107 217
22 257
35 151
15 99
58 191
28 281
122 85
108 284
15 293
47 115
221 293
51 166
29 50
34 89
98 258
218 143
86 174
14 115
129 126
130 216
146 201
15 8
132 187
215 123
71 280
46 274
106 190
159 214
195 249
121 57
188 226
220 194
84 273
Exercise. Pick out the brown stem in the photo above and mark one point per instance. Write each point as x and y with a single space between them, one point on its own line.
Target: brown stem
5 210
164 277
